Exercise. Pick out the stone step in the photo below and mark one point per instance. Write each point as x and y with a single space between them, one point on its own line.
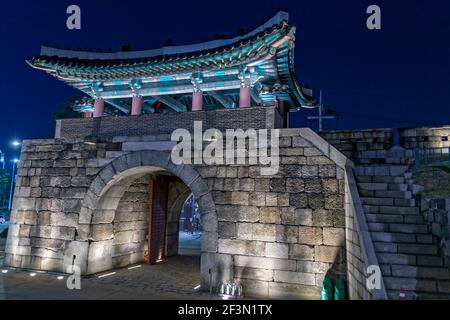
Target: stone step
378 227
396 258
425 238
381 170
432 296
393 237
419 249
400 198
405 248
385 247
411 295
410 284
414 219
405 202
398 210
408 228
401 237
385 218
397 186
395 218
395 295
393 194
389 179
430 261
377 201
432 273
373 186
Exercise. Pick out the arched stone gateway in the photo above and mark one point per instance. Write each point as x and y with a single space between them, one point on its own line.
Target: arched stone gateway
94 250
82 202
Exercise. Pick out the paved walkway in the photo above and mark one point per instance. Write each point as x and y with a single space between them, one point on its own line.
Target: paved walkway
175 278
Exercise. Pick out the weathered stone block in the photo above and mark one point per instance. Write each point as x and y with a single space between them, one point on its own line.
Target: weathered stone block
270 215
64 219
253 273
239 198
242 247
301 252
265 263
328 254
298 200
286 234
295 185
227 230
277 250
264 232
310 235
244 231
257 199
295 277
334 236
296 217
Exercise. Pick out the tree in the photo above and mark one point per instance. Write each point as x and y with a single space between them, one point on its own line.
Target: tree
4 186
65 109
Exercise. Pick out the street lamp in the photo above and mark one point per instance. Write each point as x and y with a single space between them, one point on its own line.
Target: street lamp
16 143
2 159
15 162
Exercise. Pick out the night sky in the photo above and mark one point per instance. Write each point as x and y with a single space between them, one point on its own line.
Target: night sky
395 77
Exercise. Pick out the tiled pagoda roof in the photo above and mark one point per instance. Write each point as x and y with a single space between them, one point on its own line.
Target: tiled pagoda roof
266 53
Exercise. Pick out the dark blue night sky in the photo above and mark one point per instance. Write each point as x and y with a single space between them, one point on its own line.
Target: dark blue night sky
396 77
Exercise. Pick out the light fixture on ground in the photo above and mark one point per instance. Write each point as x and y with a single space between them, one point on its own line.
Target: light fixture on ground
60 277
4 271
32 274
106 275
134 267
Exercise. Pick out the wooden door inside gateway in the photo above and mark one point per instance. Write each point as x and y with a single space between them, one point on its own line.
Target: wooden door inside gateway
157 213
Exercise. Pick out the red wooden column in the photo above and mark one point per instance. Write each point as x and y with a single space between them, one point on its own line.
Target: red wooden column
99 108
245 96
197 100
157 213
136 105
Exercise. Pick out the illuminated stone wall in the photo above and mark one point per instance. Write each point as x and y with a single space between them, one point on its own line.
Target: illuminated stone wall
276 235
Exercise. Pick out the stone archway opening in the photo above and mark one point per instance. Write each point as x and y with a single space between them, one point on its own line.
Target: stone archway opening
190 228
137 221
116 229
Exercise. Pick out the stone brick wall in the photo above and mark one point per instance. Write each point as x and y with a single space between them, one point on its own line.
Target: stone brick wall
276 235
153 124
425 138
361 146
282 233
130 225
359 245
437 217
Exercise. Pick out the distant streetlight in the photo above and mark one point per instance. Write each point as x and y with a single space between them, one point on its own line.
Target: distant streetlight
16 143
2 159
15 162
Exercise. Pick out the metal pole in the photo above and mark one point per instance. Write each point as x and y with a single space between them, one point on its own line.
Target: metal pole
320 112
12 186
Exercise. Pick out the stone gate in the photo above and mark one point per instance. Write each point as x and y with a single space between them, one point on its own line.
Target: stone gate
82 199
